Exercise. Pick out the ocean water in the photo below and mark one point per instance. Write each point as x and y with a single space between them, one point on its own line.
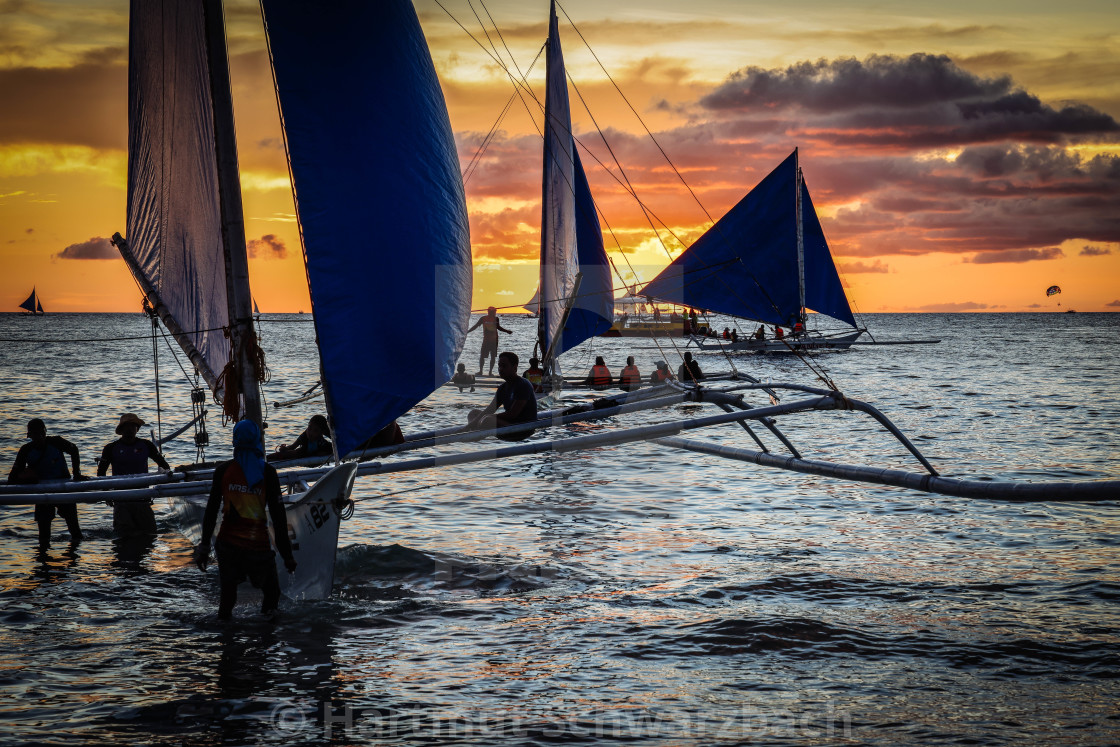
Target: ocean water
633 594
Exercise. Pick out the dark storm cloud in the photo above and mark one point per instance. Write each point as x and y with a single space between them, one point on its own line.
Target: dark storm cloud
268 246
95 248
921 100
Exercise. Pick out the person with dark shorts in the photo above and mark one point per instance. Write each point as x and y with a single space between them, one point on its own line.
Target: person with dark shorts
45 459
490 327
247 491
129 455
515 395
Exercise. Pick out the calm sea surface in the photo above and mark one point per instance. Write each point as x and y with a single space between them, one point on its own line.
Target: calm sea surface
633 594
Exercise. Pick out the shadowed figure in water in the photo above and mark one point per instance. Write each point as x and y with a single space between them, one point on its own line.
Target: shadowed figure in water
129 455
247 491
45 459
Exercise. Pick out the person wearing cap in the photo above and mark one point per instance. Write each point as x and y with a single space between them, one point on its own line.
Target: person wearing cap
129 455
246 489
661 373
45 459
490 327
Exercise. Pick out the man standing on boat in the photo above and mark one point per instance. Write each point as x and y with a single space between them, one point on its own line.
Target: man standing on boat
490 327
129 455
43 459
247 490
516 397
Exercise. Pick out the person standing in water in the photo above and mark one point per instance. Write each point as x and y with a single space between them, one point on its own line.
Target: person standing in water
247 491
490 327
45 459
129 455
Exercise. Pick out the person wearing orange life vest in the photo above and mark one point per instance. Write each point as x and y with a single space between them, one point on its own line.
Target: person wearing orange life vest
630 378
779 333
798 328
535 374
661 373
599 377
490 327
247 491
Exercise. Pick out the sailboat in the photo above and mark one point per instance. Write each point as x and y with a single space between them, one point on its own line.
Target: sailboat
575 291
384 158
766 260
33 306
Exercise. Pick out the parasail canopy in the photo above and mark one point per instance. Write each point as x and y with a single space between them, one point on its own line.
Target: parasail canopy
1053 290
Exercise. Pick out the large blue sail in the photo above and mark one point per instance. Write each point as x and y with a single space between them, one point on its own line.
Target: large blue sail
746 264
571 237
380 200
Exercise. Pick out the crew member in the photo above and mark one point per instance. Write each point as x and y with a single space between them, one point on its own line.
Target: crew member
247 491
490 327
129 455
516 397
45 459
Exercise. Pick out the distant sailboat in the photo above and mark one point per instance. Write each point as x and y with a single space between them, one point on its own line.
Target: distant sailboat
33 306
766 260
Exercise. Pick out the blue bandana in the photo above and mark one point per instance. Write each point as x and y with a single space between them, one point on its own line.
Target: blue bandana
247 451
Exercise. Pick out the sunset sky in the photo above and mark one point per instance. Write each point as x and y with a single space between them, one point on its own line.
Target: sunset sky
962 155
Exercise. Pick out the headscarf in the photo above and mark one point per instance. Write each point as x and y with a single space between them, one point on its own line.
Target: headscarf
247 451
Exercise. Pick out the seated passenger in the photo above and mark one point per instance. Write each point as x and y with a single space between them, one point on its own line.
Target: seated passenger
312 442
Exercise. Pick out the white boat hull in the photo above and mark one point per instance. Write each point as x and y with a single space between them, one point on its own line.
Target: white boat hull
313 517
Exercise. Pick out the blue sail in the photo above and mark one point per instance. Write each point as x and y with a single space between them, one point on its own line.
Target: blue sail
571 237
746 264
380 201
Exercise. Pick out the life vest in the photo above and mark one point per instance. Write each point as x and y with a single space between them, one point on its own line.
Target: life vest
600 376
798 328
535 377
630 378
244 515
490 326
779 333
660 376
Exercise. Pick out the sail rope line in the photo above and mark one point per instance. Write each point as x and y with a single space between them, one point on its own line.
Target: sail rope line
629 188
520 82
668 160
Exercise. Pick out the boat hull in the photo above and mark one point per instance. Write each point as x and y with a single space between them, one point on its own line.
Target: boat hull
314 517
788 344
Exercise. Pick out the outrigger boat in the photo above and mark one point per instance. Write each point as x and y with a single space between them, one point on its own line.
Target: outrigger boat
766 260
317 72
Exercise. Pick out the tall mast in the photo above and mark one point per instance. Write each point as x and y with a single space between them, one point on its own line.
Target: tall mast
240 298
800 241
542 310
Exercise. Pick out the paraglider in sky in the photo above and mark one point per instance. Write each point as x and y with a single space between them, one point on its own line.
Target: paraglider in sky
1052 290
